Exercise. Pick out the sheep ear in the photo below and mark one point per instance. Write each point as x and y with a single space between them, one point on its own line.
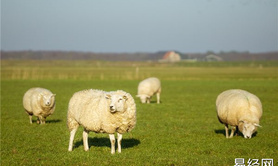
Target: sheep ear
53 95
242 121
125 97
257 125
107 96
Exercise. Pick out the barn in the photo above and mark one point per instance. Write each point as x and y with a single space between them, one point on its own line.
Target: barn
171 56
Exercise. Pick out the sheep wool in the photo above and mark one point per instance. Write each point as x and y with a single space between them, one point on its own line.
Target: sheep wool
147 88
241 110
101 112
39 102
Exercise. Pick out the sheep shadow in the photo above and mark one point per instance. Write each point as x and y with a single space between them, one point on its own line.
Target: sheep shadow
154 102
223 132
53 121
105 142
48 121
220 131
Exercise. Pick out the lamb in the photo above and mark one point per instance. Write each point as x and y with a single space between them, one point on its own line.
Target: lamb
39 102
239 109
101 112
147 88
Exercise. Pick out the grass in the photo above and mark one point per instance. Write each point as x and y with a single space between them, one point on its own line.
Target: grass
98 70
182 130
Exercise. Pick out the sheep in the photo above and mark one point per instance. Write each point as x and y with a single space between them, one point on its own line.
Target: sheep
147 88
101 112
241 110
39 102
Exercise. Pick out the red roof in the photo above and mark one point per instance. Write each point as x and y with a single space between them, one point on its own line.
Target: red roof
167 54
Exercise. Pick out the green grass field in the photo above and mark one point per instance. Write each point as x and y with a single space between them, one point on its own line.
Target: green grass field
182 130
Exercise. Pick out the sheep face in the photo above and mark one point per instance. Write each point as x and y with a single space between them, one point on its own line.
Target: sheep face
117 103
47 100
143 98
247 128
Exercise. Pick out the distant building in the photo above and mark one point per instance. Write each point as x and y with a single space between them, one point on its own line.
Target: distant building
170 56
213 57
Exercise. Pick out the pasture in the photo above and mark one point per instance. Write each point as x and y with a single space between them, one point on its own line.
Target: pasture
182 130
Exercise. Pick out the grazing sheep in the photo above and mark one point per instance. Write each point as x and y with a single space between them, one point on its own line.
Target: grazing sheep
39 102
147 88
101 112
241 110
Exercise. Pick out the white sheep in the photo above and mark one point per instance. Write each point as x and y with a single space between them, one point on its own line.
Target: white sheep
101 112
147 88
239 109
39 102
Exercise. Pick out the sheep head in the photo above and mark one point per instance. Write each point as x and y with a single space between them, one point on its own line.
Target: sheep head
47 100
247 128
117 102
143 98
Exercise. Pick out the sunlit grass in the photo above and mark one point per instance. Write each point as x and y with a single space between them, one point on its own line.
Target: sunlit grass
182 130
98 70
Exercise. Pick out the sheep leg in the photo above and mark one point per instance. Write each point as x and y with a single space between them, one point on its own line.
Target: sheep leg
85 140
30 119
43 119
233 131
227 130
112 140
119 137
148 100
158 97
38 120
72 133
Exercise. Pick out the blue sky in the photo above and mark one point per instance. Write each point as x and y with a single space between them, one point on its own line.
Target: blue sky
140 26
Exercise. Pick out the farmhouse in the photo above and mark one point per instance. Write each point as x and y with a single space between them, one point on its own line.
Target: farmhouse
170 56
213 57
